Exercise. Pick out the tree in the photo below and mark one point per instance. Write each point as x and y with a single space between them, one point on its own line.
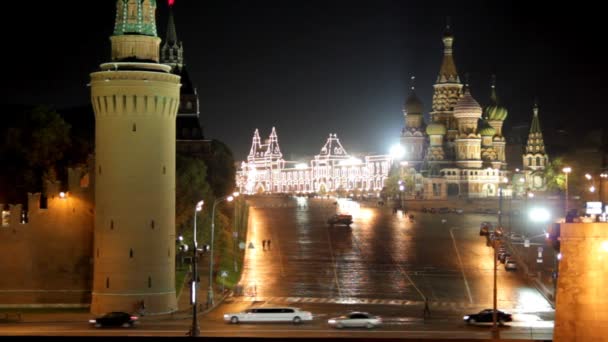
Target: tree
221 169
555 178
33 144
190 187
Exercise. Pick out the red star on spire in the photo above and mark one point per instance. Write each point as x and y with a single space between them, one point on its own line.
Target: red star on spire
171 2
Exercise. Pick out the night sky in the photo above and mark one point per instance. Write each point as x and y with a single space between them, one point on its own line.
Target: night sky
311 68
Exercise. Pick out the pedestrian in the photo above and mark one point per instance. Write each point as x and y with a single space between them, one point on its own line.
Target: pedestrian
268 242
264 244
427 311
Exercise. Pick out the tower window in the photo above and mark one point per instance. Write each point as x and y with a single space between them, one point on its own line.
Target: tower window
164 170
107 282
131 253
152 224
149 282
134 127
98 252
111 224
99 168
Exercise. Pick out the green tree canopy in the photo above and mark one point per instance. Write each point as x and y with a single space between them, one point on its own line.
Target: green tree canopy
221 169
190 187
32 146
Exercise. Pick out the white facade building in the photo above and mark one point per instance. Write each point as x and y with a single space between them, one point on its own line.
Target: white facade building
333 169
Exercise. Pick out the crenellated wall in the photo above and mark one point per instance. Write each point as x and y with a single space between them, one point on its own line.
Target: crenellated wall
47 260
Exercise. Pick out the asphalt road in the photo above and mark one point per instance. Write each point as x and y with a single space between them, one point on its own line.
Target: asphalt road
383 264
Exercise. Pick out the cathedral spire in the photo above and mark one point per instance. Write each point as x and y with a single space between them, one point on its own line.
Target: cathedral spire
535 127
448 73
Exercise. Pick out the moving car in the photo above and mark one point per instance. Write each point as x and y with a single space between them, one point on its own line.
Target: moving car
355 319
510 265
340 219
269 314
485 316
115 319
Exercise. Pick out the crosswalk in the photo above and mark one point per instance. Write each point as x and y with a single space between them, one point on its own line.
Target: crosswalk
369 301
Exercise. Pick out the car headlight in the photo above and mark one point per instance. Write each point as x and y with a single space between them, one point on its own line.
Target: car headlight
465 317
332 321
226 316
92 321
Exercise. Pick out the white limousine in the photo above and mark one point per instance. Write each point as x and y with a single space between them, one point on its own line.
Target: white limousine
269 314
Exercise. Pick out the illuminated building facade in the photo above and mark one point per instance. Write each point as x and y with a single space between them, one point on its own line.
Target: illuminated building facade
332 170
535 159
461 152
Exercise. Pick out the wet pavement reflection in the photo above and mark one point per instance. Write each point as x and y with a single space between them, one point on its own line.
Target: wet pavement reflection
382 256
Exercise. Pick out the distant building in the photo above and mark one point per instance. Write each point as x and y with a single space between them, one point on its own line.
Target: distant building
535 158
332 170
460 153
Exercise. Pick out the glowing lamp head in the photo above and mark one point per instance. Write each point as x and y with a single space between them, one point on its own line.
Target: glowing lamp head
588 176
559 256
567 169
236 194
62 195
397 151
230 198
539 215
592 189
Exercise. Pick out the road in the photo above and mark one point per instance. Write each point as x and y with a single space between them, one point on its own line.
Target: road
384 264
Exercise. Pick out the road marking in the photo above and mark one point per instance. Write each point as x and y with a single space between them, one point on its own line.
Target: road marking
464 277
335 263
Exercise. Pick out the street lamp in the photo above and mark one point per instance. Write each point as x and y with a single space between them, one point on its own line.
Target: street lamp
195 330
228 198
504 180
566 171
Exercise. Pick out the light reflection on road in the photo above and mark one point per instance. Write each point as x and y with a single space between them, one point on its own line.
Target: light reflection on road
381 256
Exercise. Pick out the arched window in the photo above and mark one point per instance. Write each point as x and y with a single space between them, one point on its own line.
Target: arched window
538 161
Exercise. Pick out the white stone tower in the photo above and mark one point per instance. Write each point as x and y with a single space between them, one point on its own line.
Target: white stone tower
135 100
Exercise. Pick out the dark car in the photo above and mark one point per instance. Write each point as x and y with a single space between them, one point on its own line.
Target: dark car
115 319
485 316
340 219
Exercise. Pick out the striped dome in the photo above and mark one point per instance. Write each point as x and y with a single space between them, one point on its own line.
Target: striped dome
496 112
467 106
485 130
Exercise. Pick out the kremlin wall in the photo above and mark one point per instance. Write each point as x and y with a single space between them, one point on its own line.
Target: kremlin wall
47 259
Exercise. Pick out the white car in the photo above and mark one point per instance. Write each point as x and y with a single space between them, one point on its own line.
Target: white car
355 319
269 314
510 265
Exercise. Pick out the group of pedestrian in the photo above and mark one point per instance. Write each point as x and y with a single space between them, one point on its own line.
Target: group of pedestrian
265 243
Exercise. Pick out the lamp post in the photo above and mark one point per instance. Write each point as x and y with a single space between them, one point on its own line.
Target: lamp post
503 181
603 175
195 330
228 198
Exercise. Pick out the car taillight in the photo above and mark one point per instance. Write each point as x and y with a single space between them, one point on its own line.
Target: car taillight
134 318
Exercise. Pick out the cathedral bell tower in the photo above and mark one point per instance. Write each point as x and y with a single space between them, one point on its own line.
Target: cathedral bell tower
135 100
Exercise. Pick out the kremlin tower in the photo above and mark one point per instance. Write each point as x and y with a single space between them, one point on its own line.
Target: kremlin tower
135 100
